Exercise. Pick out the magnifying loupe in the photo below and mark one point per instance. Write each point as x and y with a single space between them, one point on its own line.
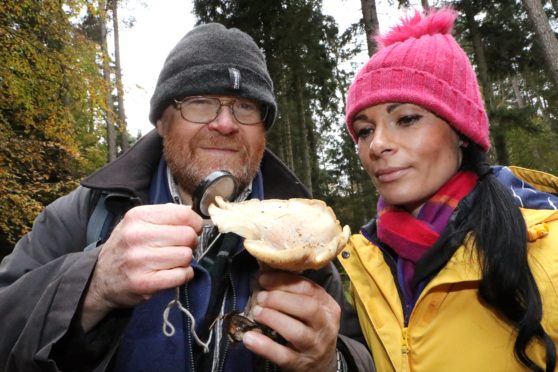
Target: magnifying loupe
218 183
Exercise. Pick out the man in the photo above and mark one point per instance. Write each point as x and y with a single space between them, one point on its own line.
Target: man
70 304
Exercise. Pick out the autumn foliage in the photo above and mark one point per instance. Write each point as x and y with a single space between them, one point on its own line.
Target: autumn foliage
50 105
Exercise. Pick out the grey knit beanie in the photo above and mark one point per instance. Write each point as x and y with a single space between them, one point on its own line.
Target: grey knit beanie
211 59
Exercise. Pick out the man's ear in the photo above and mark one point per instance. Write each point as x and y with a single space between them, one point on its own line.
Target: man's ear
164 121
160 127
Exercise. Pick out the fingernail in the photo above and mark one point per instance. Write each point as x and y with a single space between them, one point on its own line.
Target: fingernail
256 310
261 297
248 339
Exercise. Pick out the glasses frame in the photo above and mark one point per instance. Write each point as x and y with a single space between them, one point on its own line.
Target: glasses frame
228 102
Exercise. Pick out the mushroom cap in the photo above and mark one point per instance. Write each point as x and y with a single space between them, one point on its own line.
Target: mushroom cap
292 235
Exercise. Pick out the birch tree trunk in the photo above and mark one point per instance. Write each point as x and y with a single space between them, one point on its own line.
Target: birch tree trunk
122 125
109 114
314 169
545 36
286 134
289 156
304 142
370 17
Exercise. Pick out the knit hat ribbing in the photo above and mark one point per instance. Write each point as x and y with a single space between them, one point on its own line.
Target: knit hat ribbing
420 62
211 59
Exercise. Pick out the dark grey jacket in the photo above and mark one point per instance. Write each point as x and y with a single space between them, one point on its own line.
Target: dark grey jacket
43 281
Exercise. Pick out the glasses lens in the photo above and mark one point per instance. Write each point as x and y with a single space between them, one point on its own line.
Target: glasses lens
247 112
200 109
203 110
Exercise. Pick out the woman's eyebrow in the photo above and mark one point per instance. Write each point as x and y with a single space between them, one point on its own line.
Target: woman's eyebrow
360 116
392 107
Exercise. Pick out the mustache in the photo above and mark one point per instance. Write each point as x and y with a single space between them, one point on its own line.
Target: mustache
221 142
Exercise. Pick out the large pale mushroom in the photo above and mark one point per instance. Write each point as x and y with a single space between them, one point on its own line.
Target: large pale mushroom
292 235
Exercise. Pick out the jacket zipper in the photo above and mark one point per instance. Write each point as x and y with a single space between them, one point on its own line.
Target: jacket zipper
188 325
405 348
226 348
407 310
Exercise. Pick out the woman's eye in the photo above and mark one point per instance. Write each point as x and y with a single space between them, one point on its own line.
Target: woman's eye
364 132
409 119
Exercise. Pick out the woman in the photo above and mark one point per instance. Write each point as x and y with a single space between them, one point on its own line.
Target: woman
447 277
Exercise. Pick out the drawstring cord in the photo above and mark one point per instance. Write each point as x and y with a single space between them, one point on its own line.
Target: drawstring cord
169 330
168 327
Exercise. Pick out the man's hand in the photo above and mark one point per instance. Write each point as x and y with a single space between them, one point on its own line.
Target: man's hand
148 251
304 314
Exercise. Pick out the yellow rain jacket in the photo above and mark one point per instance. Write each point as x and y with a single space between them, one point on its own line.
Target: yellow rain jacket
449 329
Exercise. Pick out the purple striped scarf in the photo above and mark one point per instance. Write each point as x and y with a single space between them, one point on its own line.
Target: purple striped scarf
411 237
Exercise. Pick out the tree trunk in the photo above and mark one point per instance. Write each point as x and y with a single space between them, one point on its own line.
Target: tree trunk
497 132
545 36
109 114
425 4
501 148
288 143
276 140
122 126
480 58
313 156
306 168
517 91
370 17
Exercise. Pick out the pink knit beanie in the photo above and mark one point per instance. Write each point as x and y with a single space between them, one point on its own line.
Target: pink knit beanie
420 62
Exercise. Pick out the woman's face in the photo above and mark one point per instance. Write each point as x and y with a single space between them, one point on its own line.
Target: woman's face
408 151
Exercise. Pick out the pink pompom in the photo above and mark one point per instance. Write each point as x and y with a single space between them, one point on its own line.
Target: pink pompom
435 22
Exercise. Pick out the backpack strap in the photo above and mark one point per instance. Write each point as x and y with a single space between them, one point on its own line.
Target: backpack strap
97 220
107 208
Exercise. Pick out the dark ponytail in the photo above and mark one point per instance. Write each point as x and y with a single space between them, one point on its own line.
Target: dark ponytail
507 284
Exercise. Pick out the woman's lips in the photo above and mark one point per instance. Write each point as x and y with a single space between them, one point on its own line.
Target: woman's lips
390 174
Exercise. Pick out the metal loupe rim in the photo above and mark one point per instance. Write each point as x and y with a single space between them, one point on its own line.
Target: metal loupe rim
206 190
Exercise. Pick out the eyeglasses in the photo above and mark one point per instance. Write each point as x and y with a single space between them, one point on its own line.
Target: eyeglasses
203 110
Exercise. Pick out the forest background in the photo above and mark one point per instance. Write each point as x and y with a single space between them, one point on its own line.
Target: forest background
62 112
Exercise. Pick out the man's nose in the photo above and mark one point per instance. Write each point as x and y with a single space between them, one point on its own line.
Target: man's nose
225 122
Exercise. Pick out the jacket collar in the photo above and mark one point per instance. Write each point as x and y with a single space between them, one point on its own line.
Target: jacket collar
131 172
